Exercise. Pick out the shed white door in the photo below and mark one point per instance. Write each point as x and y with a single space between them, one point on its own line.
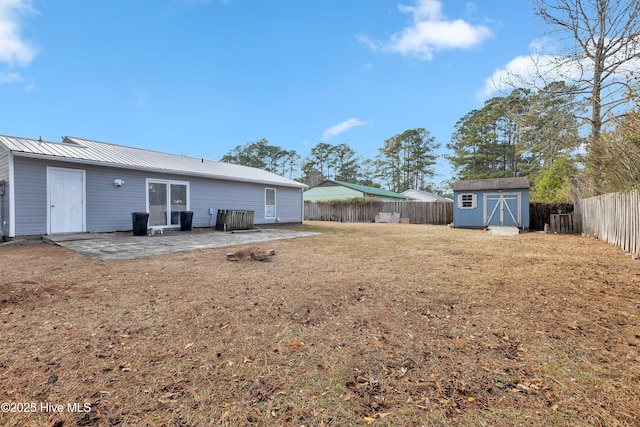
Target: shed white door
502 209
66 200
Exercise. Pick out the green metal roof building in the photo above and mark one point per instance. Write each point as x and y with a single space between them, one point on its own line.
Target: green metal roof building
339 190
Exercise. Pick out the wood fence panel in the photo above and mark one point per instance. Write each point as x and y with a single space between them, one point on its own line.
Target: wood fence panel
613 218
417 212
539 213
234 220
565 223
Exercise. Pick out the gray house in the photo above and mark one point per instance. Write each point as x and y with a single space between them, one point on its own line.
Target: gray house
79 185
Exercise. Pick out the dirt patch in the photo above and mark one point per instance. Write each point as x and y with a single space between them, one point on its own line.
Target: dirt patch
379 324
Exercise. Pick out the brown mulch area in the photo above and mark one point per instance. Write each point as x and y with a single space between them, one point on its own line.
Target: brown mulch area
365 324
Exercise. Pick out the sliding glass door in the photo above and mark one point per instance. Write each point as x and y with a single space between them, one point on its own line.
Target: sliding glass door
165 201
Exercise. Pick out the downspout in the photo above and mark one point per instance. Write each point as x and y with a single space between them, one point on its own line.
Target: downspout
302 210
12 199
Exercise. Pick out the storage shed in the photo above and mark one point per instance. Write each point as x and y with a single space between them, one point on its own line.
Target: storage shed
79 185
481 203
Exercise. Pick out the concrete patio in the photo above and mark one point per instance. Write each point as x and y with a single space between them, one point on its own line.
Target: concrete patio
125 246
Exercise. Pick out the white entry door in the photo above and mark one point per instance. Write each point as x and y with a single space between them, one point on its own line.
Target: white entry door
66 200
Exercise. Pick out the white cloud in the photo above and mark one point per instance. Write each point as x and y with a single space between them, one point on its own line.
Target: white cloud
538 69
424 10
10 78
342 127
13 49
519 69
431 31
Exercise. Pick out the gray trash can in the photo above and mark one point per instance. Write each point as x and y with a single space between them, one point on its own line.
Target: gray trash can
140 221
186 218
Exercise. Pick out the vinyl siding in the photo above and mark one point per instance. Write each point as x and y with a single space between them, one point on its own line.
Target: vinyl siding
4 198
207 194
109 208
30 178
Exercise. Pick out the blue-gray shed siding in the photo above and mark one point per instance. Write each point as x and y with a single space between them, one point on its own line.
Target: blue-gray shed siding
474 218
109 208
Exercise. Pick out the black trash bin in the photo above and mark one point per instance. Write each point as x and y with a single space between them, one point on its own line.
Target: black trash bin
140 220
186 218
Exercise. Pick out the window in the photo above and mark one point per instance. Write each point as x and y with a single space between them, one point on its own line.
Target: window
270 203
467 201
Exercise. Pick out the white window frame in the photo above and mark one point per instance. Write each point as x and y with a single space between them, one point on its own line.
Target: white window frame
463 199
168 182
270 211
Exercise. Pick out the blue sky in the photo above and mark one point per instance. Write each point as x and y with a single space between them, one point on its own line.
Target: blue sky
199 77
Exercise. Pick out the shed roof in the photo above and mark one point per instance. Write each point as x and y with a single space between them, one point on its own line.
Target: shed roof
491 184
86 151
373 191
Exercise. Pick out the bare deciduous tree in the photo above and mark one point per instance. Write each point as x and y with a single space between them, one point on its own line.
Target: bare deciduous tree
602 42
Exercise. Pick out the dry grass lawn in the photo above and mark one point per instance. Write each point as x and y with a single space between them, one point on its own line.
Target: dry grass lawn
365 324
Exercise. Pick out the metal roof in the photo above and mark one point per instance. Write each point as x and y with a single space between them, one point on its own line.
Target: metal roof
85 151
491 184
425 195
365 189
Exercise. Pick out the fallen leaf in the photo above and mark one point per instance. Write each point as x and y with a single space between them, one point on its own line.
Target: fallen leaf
369 420
296 344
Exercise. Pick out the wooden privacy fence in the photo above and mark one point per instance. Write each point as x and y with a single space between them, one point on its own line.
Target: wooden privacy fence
565 223
234 220
613 218
539 213
417 212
